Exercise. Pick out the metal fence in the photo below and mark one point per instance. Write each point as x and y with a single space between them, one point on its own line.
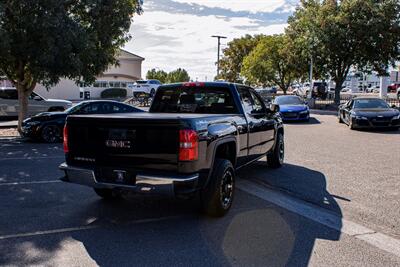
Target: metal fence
329 102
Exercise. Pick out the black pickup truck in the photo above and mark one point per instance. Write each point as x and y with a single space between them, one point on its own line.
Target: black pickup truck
190 143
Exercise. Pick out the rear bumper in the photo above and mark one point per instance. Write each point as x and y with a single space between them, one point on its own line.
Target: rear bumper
145 183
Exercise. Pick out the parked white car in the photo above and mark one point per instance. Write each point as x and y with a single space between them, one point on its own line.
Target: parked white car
9 106
146 86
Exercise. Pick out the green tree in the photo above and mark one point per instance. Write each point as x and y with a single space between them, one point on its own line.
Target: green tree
340 35
179 75
232 58
160 75
272 63
43 41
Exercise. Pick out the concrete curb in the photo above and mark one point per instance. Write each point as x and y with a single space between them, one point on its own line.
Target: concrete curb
8 124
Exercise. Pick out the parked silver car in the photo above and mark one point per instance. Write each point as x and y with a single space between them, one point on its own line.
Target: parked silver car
9 106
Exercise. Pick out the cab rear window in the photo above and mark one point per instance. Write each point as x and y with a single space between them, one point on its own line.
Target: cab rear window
201 100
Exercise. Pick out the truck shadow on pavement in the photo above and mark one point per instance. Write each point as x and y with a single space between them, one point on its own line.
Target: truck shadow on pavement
166 232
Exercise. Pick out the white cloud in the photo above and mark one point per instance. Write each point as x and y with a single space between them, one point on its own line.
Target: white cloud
253 6
172 40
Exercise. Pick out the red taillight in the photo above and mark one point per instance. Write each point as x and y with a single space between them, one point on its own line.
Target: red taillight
191 84
65 139
188 145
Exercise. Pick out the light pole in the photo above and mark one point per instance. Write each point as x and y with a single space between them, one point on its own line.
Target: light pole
309 95
219 37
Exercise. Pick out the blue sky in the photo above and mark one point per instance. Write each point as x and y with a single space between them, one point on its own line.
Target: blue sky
177 33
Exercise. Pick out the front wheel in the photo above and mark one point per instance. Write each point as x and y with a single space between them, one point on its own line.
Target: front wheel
217 197
152 92
276 157
51 134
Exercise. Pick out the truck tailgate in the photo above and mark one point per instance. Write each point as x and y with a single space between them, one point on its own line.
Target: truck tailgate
138 143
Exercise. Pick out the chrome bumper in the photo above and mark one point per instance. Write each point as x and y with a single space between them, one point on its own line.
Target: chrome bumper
144 183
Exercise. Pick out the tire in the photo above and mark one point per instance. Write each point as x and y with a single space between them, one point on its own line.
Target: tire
152 92
108 194
51 134
217 197
276 157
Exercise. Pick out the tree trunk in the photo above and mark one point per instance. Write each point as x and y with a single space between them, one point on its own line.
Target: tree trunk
23 94
338 89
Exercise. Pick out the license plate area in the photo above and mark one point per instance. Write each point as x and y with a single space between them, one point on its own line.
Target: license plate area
116 176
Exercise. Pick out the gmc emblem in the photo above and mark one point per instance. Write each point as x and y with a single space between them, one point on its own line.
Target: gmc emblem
118 143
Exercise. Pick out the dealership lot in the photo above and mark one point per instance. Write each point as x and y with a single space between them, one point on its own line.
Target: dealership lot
353 176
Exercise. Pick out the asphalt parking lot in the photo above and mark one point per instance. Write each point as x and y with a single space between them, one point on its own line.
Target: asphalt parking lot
334 201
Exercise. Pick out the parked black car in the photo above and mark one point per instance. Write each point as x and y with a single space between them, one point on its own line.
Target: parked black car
48 126
362 112
191 142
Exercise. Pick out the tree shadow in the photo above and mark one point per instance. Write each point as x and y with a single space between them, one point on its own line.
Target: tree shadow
311 121
164 232
385 131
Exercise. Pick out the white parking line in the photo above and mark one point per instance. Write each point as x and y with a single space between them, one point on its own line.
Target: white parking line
32 182
44 157
86 227
322 216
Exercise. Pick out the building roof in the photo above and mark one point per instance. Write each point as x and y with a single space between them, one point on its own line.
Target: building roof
130 55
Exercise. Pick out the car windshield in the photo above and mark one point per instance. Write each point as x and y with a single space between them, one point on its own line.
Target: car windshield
201 100
289 100
141 82
370 103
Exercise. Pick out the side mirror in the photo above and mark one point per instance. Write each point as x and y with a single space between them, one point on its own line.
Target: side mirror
37 98
274 108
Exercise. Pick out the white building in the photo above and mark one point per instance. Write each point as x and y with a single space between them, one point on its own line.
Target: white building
127 72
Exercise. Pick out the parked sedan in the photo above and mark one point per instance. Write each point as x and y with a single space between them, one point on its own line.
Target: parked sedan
48 126
292 108
365 112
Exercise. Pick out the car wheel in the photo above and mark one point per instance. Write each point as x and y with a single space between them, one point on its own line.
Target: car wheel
107 193
217 197
152 92
51 134
276 157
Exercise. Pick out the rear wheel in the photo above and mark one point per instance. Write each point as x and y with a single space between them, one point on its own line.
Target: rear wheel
217 198
276 157
107 193
51 134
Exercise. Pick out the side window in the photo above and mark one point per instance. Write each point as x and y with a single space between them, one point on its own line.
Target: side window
246 98
258 106
9 94
91 109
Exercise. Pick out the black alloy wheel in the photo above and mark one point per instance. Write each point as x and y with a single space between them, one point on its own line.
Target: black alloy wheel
217 197
51 134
